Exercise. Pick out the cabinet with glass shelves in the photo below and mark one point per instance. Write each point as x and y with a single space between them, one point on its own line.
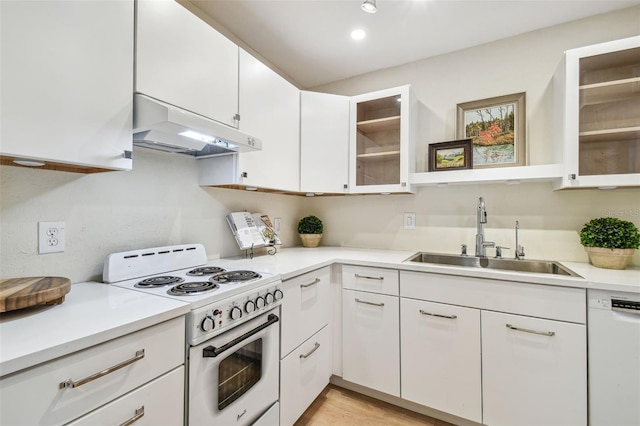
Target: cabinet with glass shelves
601 126
383 129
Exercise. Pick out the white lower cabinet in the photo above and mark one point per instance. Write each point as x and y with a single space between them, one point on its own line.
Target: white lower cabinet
69 387
305 344
304 373
533 371
159 402
440 357
305 308
371 340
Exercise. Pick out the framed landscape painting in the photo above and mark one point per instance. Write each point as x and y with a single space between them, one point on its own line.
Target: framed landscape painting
452 155
496 127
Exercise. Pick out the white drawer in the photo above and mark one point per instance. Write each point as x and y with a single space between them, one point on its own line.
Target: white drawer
375 280
304 373
544 301
305 307
34 396
160 402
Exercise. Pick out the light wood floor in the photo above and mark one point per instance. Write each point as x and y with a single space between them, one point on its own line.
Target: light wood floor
338 406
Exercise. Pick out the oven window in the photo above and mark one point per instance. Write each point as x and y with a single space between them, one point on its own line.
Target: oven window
239 372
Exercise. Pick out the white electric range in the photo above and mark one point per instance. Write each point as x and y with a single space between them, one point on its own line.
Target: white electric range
233 343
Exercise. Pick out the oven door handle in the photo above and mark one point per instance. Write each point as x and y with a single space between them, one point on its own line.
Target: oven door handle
212 351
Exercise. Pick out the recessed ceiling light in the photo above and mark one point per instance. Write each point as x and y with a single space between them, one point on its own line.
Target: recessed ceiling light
358 34
369 6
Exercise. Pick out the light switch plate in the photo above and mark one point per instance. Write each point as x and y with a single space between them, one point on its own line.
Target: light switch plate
409 221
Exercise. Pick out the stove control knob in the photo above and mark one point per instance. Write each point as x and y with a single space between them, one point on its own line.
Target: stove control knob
278 294
260 302
235 313
268 298
250 306
207 324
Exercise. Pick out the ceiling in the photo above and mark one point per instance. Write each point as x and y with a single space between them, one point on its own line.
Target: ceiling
309 40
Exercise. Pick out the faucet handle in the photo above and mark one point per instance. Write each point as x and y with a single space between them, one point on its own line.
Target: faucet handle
520 252
499 251
463 249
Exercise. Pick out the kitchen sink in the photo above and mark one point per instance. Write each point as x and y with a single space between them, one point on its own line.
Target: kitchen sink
535 266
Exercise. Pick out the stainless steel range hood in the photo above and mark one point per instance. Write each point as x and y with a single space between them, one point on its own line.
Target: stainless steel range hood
161 126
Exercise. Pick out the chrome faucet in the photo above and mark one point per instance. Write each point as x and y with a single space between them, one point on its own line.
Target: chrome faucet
519 248
481 219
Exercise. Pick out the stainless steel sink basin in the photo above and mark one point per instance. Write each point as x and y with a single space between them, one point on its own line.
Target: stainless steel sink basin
535 266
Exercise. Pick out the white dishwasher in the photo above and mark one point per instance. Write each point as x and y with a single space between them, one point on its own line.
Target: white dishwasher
614 358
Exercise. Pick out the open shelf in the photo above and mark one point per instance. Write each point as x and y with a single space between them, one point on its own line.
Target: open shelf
597 93
610 135
545 172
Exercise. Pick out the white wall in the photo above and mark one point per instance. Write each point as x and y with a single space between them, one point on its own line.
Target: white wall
158 203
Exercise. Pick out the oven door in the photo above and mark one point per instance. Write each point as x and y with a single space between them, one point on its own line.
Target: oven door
233 377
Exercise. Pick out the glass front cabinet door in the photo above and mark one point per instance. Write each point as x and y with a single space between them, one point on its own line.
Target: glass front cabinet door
383 129
601 132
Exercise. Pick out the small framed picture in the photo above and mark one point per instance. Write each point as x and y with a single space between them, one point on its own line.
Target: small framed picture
453 155
497 128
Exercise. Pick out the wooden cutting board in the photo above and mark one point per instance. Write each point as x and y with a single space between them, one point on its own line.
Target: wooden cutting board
18 293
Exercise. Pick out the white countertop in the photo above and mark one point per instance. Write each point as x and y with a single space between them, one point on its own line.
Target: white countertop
92 313
290 262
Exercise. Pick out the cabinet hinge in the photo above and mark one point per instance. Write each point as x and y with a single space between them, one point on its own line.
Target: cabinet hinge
128 155
572 176
236 117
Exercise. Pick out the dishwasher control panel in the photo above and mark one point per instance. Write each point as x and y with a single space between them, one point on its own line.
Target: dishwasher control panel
625 306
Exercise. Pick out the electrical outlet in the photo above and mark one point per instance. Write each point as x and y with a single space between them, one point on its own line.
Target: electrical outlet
277 223
409 221
50 237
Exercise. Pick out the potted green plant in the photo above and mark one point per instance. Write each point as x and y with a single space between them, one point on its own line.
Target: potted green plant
610 242
310 229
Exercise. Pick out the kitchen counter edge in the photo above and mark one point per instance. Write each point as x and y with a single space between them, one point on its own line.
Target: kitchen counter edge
92 313
294 261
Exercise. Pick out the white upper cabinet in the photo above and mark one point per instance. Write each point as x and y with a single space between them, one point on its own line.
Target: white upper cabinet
382 141
67 79
324 143
601 114
183 61
270 110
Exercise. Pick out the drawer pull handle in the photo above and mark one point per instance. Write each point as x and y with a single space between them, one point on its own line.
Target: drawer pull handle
526 330
71 384
308 354
314 282
369 303
438 315
369 278
139 414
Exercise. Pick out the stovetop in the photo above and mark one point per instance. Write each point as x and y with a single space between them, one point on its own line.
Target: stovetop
181 273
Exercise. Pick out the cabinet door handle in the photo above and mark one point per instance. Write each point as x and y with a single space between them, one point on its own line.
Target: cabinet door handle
438 315
139 414
369 278
526 330
314 282
308 354
369 303
71 384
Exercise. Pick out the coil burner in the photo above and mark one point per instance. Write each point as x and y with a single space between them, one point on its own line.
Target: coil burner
205 270
159 281
233 277
192 288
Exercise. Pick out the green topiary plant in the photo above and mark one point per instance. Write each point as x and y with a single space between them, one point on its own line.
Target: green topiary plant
611 233
310 225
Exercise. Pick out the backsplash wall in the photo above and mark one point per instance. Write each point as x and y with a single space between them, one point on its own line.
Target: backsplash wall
158 203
